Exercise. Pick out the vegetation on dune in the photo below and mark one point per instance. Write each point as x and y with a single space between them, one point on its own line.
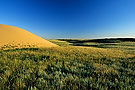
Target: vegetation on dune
69 67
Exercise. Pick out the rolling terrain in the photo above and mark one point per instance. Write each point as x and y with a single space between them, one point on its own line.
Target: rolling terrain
75 65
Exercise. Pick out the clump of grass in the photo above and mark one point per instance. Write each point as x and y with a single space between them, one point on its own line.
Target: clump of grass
15 45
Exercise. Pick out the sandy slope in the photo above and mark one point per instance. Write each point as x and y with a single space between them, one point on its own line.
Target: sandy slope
14 36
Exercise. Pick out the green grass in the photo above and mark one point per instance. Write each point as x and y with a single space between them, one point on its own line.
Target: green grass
69 67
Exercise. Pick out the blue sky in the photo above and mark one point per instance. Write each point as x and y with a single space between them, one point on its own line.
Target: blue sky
71 18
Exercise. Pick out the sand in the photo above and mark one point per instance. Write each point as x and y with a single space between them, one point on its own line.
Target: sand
11 36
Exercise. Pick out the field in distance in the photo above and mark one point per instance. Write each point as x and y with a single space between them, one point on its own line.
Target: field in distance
76 64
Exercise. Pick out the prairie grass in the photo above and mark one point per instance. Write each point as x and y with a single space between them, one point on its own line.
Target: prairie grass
69 67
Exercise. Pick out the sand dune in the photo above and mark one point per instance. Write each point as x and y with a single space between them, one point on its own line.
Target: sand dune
11 36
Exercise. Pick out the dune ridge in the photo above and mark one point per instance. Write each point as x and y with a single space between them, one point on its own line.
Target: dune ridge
11 36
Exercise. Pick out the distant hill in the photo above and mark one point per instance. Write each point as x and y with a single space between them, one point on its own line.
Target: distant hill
106 40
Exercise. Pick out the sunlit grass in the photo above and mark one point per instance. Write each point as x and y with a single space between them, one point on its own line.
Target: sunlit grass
68 67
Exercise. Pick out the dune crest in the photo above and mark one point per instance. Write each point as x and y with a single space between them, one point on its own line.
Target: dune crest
12 37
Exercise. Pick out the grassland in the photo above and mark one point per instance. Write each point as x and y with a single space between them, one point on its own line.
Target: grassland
75 65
